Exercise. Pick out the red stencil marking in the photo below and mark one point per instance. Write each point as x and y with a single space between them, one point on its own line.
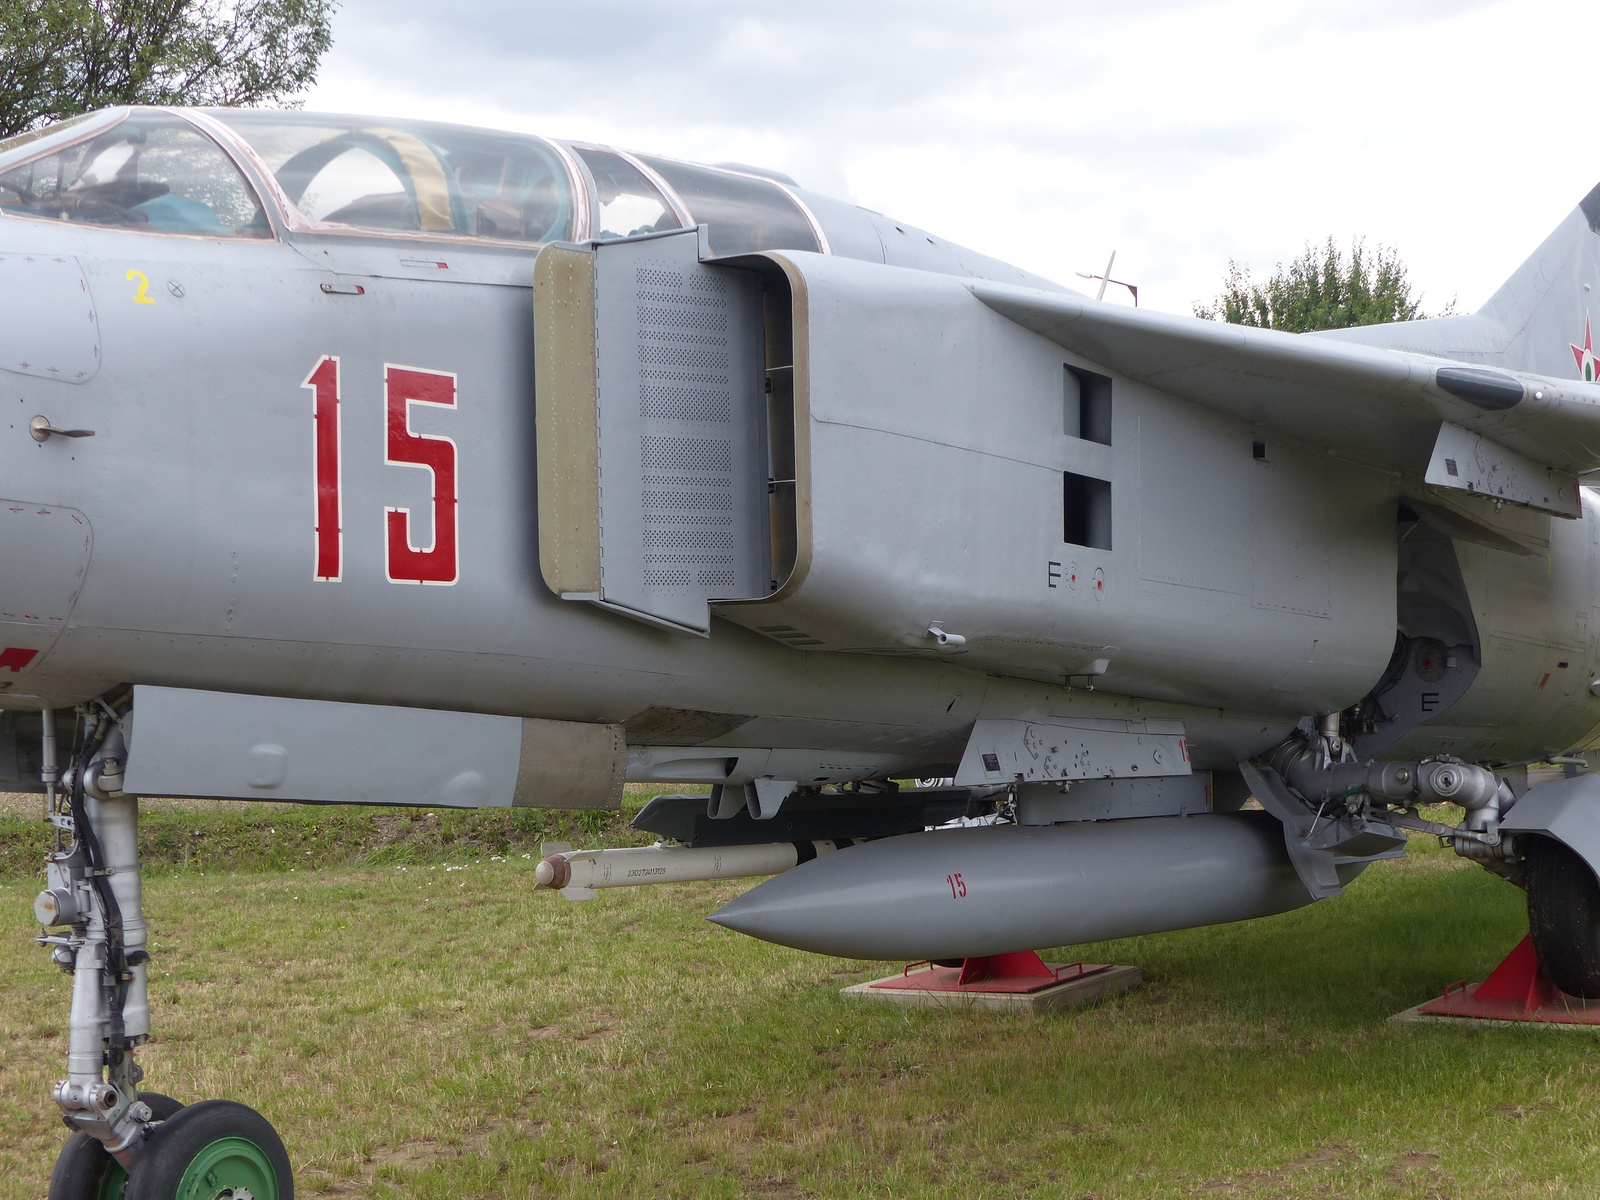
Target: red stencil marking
326 457
409 563
15 657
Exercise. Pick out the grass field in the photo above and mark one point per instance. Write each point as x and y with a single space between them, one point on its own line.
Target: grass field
433 1028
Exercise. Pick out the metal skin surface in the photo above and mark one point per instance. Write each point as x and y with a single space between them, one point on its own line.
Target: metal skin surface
970 892
1239 594
299 505
1564 810
1244 593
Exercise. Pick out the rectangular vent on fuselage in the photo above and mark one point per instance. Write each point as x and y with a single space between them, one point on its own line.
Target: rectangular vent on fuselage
1086 511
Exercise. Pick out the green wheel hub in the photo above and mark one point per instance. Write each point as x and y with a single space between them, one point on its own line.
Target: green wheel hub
230 1168
112 1182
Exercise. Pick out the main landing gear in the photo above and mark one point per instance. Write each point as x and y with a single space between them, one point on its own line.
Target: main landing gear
1564 916
1336 809
126 1144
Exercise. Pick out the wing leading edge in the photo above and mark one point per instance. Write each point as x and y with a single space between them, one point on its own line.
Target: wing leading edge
1387 407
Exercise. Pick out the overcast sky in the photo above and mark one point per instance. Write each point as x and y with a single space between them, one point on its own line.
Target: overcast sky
1179 135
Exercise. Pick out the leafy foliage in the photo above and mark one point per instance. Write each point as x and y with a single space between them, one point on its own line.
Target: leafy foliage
63 57
1322 289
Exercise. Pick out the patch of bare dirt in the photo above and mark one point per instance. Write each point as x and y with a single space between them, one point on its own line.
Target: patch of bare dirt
344 1188
421 1153
1251 1182
606 1026
773 1189
1326 1154
1412 1160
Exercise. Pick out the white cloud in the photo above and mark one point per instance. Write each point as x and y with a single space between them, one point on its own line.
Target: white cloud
1047 134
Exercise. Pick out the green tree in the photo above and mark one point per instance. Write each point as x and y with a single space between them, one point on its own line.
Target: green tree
63 57
1322 289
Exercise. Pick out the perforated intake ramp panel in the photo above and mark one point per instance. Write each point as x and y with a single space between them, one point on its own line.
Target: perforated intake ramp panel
680 487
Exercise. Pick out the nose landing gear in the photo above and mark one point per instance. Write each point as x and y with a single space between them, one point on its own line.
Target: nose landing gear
126 1144
84 1169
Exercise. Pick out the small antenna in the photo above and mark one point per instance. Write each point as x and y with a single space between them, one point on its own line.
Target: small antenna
1106 278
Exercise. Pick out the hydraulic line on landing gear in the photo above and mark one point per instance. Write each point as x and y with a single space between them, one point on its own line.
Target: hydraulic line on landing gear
1323 774
93 893
145 1146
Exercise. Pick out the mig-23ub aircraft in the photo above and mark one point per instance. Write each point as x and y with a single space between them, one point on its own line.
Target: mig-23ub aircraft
385 462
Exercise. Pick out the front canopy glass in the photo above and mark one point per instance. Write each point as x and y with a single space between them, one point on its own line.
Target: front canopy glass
152 171
394 176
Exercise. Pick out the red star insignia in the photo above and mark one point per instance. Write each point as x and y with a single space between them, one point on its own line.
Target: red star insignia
1584 354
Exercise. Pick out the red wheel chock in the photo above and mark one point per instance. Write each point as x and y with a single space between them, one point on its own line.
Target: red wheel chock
1020 972
1518 990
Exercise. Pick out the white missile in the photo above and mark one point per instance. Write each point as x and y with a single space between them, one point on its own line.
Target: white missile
580 873
967 892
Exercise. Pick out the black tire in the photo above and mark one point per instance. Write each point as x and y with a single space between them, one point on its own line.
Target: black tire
1564 916
84 1171
230 1145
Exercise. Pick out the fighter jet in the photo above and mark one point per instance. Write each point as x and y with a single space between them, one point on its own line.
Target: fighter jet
379 461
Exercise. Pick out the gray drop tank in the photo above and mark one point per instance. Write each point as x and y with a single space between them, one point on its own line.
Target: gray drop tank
989 890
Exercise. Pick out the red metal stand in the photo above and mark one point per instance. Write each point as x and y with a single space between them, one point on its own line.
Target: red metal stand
1017 973
1518 990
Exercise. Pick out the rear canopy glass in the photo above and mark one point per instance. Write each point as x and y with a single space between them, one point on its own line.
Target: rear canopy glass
629 203
152 171
744 213
413 176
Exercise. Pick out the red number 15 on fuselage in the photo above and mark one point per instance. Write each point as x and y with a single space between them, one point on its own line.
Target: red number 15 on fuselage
404 562
403 387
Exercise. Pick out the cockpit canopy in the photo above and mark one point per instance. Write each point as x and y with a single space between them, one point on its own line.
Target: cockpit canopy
152 171
190 172
411 176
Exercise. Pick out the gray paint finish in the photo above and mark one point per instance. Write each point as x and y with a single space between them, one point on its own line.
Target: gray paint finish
1022 887
35 604
1003 752
266 748
1224 583
938 450
1567 810
682 431
272 748
48 325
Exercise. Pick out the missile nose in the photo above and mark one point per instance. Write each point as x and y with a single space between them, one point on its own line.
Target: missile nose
552 872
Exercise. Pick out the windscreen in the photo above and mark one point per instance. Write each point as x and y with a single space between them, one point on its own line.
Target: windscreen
153 172
412 176
744 214
19 140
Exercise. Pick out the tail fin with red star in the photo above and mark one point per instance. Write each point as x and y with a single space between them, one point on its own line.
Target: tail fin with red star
1540 320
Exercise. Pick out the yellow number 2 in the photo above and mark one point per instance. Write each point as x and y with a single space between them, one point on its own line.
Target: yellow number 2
142 296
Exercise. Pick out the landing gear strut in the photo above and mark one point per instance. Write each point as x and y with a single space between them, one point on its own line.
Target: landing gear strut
126 1144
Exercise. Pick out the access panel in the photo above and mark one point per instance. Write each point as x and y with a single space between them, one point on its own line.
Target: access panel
44 554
